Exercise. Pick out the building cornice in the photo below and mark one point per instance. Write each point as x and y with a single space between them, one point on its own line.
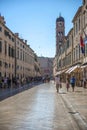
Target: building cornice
77 13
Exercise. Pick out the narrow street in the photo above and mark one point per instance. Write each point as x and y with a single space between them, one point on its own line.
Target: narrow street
39 108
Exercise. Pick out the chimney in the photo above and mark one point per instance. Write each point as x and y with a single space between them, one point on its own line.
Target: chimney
2 19
26 41
22 40
17 34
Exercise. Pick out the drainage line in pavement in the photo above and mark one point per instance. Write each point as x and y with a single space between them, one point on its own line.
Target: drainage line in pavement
76 115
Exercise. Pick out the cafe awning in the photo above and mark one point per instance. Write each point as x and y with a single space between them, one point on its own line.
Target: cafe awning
73 69
84 65
58 73
68 70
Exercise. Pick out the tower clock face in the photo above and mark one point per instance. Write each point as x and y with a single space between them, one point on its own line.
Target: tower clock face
60 24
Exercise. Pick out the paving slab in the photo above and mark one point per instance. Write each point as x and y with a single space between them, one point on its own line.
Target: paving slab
39 108
77 103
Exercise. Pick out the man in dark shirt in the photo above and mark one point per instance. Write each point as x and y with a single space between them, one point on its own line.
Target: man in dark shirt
72 81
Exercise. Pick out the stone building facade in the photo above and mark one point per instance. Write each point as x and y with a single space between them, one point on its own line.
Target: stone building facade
17 59
73 60
46 66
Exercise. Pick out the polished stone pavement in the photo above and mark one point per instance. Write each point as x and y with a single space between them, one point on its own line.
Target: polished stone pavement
76 102
41 108
7 92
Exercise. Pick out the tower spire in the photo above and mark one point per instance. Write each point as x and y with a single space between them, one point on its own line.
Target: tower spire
60 14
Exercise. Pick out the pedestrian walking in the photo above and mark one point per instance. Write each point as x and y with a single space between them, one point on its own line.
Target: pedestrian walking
5 82
57 81
60 82
0 82
84 82
67 84
72 81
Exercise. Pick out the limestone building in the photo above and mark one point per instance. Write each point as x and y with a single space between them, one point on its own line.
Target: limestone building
73 56
46 66
17 59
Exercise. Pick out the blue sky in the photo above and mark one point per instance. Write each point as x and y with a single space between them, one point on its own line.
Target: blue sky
35 21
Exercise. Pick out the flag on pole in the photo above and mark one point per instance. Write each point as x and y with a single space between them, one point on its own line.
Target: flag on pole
85 39
82 45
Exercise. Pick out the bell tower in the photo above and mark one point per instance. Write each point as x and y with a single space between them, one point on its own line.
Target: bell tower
60 32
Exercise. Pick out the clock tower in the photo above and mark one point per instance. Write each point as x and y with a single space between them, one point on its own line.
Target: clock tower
60 32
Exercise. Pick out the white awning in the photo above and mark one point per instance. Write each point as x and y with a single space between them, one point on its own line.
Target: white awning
63 71
83 66
69 69
74 68
58 73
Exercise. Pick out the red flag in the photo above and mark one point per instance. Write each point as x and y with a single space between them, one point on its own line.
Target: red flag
82 45
81 42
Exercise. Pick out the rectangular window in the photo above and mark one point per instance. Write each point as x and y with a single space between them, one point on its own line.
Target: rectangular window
5 48
12 52
12 39
18 53
0 74
0 29
6 33
9 36
0 63
0 46
9 49
21 55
